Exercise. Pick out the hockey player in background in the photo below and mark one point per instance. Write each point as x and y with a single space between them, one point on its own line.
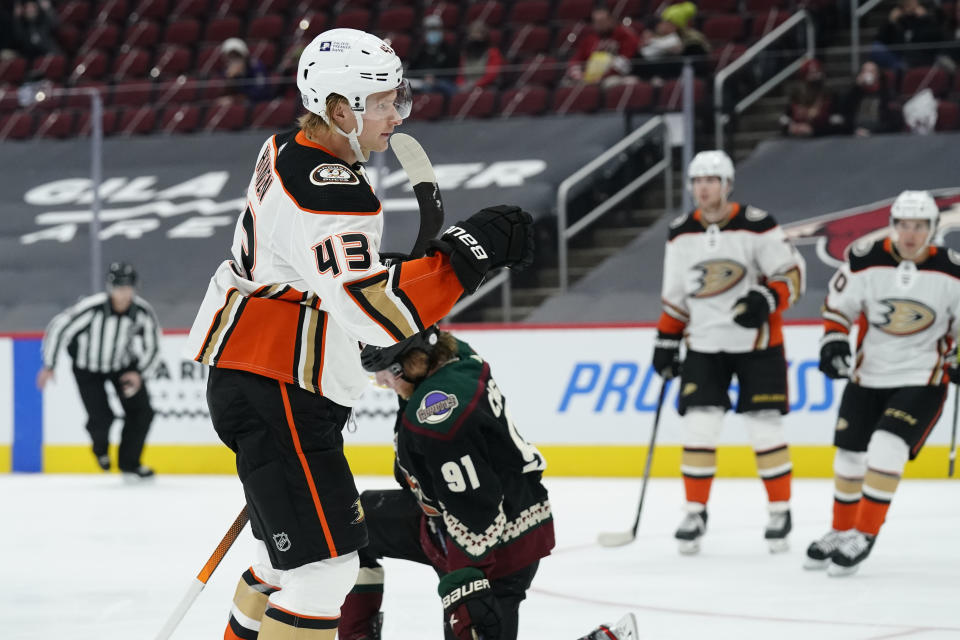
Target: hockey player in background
472 504
729 273
281 323
903 294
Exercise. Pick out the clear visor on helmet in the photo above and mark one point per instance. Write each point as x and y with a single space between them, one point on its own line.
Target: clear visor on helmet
389 105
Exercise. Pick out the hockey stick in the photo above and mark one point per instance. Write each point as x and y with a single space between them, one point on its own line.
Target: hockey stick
618 538
201 580
953 432
420 172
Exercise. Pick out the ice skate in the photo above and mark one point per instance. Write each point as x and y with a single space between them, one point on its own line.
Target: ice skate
691 529
778 527
819 551
138 475
625 629
854 547
104 462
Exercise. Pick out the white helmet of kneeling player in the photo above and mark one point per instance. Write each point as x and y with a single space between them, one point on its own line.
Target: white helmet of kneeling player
711 164
353 64
915 205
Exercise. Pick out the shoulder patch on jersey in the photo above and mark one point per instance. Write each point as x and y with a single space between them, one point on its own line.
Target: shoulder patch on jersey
870 253
325 174
436 406
679 220
754 214
861 248
953 256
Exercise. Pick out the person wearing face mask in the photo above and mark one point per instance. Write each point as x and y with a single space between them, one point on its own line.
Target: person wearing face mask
810 106
434 66
867 109
604 52
282 321
480 61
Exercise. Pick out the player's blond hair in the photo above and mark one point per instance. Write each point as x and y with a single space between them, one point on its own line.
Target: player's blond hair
312 124
416 363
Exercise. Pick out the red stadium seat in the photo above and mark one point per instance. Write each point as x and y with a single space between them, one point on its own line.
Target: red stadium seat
726 54
765 22
526 12
131 94
427 106
525 101
133 64
671 94
75 12
449 13
279 113
80 100
56 124
396 19
111 11
225 117
103 36
219 29
716 6
171 61
573 11
310 26
761 6
636 96
948 116
137 121
565 41
489 12
108 124
528 41
188 8
227 7
633 9
268 26
264 51
919 78
16 126
353 19
540 70
8 100
177 91
182 118
91 65
184 32
400 42
477 103
142 33
209 60
12 70
722 30
277 6
68 37
150 10
582 98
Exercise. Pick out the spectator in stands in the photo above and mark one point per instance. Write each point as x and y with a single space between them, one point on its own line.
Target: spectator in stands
435 63
810 107
246 77
33 24
671 38
480 61
604 53
867 107
900 42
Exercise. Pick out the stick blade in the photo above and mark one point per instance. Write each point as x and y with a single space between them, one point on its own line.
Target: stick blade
615 538
412 158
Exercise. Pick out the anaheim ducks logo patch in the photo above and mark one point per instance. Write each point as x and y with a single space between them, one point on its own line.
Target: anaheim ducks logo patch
902 317
326 174
717 276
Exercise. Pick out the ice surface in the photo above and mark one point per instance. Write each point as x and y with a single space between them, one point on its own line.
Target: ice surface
88 557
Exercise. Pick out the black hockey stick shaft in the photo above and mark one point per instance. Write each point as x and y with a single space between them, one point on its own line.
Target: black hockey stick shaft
649 463
953 432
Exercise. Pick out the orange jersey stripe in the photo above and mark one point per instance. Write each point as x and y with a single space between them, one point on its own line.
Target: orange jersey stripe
830 325
669 324
306 471
263 338
421 280
783 293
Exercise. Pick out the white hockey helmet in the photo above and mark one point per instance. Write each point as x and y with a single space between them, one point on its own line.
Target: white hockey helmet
916 205
714 163
353 64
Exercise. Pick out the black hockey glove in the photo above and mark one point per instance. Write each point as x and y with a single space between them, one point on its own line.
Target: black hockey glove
494 237
953 368
835 355
753 309
390 259
666 355
469 606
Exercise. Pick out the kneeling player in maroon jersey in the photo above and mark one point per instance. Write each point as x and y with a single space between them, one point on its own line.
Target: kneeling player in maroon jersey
903 293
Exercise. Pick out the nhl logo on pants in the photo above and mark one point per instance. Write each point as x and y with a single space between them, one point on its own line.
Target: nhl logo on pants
282 540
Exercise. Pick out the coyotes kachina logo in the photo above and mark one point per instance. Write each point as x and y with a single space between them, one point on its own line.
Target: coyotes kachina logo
833 233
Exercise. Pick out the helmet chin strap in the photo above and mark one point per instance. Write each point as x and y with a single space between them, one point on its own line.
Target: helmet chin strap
353 139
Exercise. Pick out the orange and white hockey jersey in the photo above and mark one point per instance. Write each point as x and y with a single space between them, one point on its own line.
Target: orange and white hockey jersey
708 267
305 286
906 313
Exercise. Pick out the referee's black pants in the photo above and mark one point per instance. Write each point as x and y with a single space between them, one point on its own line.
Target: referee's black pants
138 414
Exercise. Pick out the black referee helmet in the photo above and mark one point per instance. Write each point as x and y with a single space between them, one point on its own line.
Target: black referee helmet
121 274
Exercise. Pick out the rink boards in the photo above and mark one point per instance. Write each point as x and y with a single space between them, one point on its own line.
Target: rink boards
585 396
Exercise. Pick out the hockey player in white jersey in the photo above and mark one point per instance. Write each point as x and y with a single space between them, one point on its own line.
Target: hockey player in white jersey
282 323
903 295
729 272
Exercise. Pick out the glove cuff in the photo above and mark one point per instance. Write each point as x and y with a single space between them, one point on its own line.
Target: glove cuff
773 300
834 336
460 584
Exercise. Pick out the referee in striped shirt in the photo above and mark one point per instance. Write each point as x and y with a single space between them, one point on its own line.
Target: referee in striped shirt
111 336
